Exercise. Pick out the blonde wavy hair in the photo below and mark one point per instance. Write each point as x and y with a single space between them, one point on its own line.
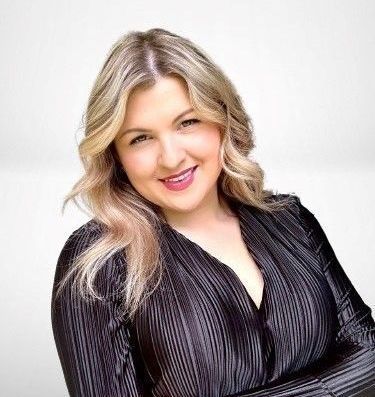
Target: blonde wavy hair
139 59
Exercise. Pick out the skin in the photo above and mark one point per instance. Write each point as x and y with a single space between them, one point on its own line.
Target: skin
169 148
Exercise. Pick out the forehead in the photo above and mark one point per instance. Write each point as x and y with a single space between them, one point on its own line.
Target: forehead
165 98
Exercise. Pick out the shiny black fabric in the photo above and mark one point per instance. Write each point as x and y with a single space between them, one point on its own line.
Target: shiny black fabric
201 334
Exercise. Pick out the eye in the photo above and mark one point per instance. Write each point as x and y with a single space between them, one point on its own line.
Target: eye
137 139
185 124
190 121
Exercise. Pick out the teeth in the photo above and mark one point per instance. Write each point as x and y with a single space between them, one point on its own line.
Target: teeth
181 177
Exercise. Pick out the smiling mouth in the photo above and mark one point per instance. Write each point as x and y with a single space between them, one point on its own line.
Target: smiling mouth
180 177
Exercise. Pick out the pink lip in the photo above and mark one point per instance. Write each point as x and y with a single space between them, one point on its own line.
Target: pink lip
176 175
176 186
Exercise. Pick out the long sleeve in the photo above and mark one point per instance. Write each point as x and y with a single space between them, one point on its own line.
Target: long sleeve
92 344
350 370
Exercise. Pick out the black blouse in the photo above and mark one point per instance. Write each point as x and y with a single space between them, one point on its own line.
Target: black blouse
201 334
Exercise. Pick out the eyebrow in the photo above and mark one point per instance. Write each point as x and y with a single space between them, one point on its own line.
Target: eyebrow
146 130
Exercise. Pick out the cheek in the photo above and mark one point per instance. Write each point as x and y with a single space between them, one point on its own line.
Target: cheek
207 143
137 166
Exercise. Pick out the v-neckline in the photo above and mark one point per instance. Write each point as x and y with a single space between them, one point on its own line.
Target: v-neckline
238 210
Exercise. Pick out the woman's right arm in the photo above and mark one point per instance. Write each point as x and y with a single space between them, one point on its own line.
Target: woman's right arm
92 343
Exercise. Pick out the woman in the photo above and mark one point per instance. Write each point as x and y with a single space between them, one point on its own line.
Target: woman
191 279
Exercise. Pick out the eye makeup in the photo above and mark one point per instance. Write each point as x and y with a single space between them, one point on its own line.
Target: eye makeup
138 139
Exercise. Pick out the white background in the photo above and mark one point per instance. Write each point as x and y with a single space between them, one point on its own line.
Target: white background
304 69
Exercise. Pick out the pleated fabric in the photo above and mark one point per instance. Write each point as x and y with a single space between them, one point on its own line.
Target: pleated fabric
200 334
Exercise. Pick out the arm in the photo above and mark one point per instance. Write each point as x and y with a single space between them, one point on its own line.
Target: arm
92 344
351 371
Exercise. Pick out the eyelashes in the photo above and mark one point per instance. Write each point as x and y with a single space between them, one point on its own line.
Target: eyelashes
137 140
183 123
193 120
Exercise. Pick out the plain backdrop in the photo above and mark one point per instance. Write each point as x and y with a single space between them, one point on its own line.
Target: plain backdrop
304 69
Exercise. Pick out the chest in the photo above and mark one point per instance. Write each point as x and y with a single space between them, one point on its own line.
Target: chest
199 319
232 252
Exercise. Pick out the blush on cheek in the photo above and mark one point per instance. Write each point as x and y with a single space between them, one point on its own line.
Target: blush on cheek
207 142
142 166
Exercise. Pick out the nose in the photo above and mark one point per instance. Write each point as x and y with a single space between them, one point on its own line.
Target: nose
172 154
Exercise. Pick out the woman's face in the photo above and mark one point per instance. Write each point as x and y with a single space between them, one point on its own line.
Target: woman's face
166 138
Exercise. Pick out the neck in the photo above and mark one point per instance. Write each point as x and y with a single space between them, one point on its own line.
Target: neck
210 213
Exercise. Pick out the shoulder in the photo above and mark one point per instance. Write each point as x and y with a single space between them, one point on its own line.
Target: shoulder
287 202
295 205
288 216
76 243
290 198
90 228
79 242
85 234
296 216
80 239
291 202
86 285
292 207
